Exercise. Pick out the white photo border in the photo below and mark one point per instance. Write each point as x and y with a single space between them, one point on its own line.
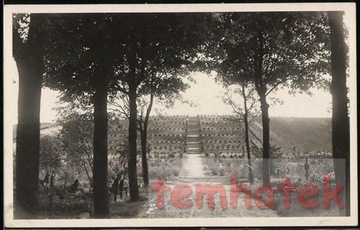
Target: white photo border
348 8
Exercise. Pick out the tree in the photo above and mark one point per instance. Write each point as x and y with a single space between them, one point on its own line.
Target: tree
164 89
80 65
77 137
50 153
77 133
28 39
274 50
247 114
143 121
149 49
340 118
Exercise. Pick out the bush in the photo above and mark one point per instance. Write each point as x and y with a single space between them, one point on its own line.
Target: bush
221 172
213 171
166 168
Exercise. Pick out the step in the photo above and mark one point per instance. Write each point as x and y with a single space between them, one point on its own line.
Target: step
193 135
193 149
197 151
193 143
193 140
193 146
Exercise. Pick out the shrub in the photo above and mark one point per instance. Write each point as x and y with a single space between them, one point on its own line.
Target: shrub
221 172
213 171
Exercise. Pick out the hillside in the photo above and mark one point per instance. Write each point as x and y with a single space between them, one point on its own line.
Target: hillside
46 128
305 134
220 134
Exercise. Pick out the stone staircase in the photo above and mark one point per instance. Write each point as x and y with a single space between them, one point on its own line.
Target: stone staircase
193 144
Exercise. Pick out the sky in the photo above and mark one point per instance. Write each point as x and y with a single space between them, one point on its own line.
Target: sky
205 93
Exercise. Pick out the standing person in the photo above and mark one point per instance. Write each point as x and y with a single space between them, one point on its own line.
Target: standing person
121 187
46 182
307 167
126 186
75 186
115 187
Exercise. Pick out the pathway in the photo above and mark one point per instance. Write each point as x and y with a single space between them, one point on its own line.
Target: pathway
192 167
193 173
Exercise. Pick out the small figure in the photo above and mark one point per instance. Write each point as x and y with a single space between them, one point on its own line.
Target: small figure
126 186
115 187
75 185
52 179
277 172
307 167
45 182
46 179
121 187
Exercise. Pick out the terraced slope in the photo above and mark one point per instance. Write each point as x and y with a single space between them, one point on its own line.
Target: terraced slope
179 134
297 135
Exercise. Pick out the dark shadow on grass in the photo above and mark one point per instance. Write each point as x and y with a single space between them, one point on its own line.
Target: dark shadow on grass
125 208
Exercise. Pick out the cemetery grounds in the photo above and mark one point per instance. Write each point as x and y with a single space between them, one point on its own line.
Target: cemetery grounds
206 150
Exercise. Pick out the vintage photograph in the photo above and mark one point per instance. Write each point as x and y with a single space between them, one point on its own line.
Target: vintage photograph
180 115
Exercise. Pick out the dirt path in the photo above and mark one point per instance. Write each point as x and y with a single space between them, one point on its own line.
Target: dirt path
193 175
192 167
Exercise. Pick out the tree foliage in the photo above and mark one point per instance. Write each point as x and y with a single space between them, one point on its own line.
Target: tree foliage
77 134
273 50
50 153
80 65
281 49
235 96
152 64
106 53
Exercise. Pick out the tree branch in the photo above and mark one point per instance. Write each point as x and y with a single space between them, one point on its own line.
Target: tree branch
120 88
276 85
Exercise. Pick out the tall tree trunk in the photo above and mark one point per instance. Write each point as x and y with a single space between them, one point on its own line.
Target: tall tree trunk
101 197
266 138
29 60
247 141
133 183
260 86
340 119
144 143
145 170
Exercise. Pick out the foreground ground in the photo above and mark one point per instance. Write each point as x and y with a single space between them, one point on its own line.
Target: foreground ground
193 174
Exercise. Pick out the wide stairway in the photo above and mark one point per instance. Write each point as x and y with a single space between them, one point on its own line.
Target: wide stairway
193 144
